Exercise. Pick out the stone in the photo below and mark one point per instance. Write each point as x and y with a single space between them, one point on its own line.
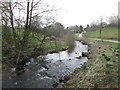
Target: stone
85 54
55 84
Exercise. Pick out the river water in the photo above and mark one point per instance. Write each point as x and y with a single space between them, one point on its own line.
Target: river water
46 70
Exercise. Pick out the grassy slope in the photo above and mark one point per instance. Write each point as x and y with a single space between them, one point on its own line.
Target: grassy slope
34 42
101 71
48 46
107 33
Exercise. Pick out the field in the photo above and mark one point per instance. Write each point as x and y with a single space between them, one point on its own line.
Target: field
107 33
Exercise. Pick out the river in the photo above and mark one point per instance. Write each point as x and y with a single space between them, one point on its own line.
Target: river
46 70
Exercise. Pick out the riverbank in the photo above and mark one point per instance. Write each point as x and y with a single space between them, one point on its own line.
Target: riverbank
15 53
49 47
101 70
48 69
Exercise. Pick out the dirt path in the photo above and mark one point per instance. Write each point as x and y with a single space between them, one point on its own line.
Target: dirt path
105 40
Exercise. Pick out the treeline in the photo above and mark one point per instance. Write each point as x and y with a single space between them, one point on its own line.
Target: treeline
76 29
95 25
112 21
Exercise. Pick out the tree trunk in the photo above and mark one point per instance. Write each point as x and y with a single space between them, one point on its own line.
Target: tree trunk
15 37
26 32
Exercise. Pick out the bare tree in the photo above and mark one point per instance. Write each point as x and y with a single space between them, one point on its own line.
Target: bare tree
12 19
101 25
113 21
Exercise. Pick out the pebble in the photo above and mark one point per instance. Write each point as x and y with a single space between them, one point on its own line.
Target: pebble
13 69
16 83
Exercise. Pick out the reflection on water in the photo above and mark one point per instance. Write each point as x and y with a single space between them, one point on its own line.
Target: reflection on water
46 69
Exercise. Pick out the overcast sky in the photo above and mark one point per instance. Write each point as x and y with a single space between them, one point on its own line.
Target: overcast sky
82 12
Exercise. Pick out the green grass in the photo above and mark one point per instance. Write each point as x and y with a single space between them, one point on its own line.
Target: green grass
107 33
101 71
56 46
34 41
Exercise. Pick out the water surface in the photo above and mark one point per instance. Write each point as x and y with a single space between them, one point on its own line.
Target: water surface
46 70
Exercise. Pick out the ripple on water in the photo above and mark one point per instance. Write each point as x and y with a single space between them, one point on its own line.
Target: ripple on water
45 74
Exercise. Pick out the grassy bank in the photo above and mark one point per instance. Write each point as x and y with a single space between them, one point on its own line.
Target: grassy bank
34 41
101 71
10 52
107 33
